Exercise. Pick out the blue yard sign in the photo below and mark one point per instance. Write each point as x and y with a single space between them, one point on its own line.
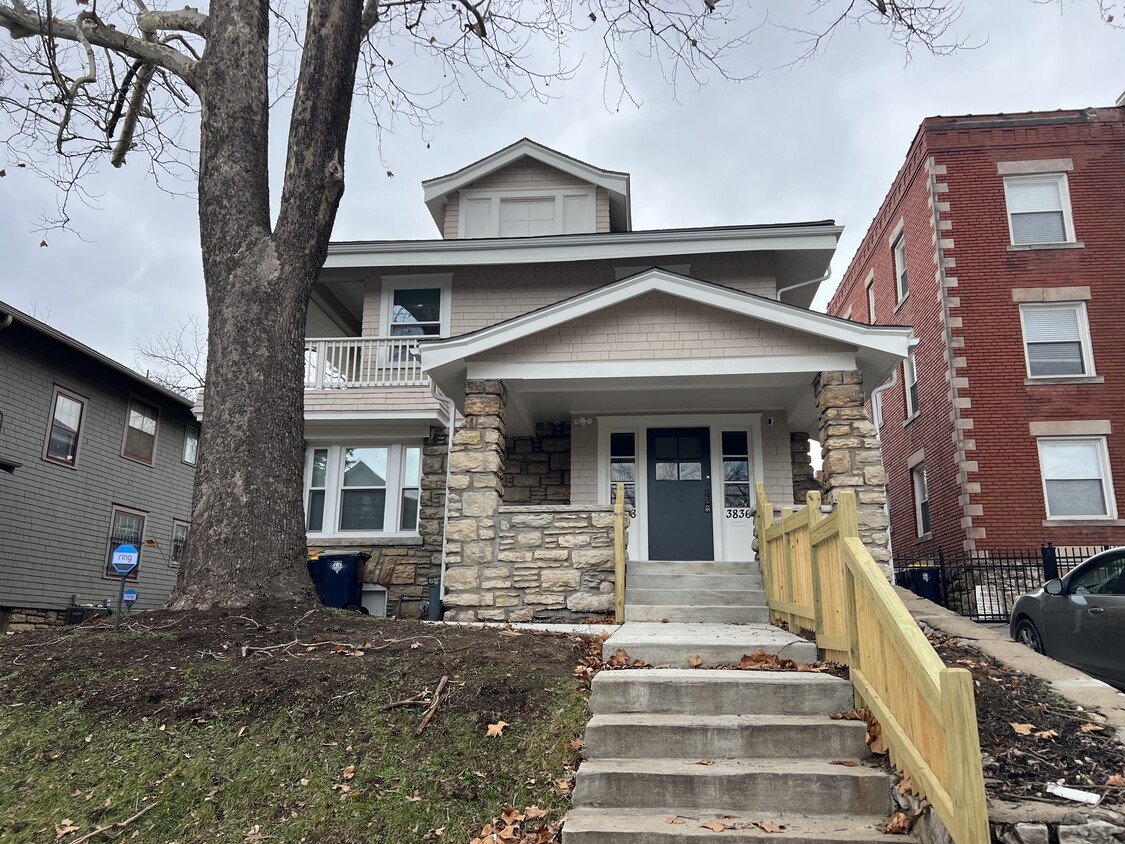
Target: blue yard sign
129 596
124 559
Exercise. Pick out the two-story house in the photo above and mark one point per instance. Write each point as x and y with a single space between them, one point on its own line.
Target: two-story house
1000 243
569 352
96 456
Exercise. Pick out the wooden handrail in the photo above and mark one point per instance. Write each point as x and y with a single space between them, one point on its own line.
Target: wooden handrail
820 577
619 555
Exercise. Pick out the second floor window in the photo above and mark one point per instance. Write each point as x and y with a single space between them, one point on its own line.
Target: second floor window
921 499
66 428
191 444
871 318
900 268
1056 340
1039 209
140 431
910 382
416 312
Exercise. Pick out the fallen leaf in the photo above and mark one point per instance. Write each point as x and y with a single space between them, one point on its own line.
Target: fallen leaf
705 762
65 827
847 763
496 730
1117 781
1091 728
619 659
414 646
563 785
534 812
349 772
695 661
1023 729
576 744
1047 734
255 834
675 821
716 826
898 824
769 826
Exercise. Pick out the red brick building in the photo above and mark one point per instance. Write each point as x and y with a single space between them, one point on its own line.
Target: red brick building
1001 242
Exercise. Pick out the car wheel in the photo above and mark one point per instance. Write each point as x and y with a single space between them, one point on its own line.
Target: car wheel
1028 634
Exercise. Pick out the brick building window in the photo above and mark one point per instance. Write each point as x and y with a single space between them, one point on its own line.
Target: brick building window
921 500
910 384
1076 478
65 429
1056 340
1039 209
901 284
871 318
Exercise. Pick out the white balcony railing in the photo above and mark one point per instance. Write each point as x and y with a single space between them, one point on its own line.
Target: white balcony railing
341 363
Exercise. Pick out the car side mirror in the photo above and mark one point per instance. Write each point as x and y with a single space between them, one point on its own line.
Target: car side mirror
1053 587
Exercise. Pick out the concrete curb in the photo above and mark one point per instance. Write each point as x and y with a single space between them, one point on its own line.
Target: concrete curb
1072 684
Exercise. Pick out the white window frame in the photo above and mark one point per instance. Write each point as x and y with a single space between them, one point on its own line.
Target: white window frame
910 380
188 428
334 479
155 434
173 559
1103 465
871 318
81 400
111 544
559 194
898 252
1083 336
391 283
1063 184
921 484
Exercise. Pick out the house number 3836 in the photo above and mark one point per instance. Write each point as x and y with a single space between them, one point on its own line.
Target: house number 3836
739 513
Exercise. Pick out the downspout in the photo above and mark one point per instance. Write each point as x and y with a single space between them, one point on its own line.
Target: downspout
820 280
876 394
451 410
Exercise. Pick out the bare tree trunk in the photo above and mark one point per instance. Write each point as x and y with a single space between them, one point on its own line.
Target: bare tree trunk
247 539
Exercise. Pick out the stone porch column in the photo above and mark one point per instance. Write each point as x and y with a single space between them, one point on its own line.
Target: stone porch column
852 456
476 488
804 480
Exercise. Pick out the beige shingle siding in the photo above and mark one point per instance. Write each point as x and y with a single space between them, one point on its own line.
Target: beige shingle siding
584 464
362 399
452 216
526 173
776 460
483 296
658 326
601 210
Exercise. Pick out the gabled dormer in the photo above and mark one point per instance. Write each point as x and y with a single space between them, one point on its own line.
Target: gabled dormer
525 190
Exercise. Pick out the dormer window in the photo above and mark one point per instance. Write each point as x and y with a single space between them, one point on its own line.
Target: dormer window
527 213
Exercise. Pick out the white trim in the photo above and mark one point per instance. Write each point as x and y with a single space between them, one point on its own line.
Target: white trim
497 196
183 451
888 339
869 287
390 283
566 248
716 423
657 368
1106 479
1064 200
1084 338
919 482
333 488
898 245
910 379
374 415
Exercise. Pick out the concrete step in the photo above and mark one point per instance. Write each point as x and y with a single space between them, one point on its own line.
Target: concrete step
693 567
751 597
709 582
697 737
698 614
651 826
700 692
744 785
675 645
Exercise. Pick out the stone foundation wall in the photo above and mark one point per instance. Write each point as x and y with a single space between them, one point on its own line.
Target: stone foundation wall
537 469
403 566
17 620
804 479
553 563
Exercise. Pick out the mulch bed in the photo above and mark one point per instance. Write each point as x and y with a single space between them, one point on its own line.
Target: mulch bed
286 657
1031 736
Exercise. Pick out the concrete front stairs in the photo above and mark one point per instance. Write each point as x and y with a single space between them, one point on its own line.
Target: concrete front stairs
716 592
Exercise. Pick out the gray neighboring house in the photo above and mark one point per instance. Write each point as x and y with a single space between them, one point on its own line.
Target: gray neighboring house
92 455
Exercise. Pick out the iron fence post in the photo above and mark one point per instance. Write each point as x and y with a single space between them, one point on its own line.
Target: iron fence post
1050 562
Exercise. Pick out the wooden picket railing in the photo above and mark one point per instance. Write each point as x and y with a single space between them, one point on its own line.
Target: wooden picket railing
619 555
819 577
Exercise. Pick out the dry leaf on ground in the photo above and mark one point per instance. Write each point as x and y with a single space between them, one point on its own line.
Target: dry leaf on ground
695 661
1116 780
1023 729
675 821
496 730
705 762
65 827
769 826
899 823
847 763
716 826
1092 728
349 772
1047 734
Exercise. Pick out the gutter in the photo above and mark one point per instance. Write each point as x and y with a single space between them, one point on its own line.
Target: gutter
451 428
820 280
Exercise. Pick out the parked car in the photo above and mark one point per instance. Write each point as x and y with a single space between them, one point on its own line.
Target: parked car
1080 619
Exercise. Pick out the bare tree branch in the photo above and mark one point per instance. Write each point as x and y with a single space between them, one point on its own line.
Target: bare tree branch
176 359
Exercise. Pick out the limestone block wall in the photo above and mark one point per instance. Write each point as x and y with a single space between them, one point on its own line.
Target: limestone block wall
553 563
537 469
18 620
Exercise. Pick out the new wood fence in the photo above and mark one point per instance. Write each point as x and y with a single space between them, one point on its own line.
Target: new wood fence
819 577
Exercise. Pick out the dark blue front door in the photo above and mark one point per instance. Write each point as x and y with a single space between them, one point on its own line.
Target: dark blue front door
679 494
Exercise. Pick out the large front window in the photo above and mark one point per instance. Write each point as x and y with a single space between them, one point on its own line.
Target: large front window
1076 478
362 489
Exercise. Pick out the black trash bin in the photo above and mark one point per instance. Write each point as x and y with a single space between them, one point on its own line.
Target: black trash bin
925 582
338 579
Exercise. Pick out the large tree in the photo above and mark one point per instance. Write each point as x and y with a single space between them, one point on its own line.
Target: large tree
120 79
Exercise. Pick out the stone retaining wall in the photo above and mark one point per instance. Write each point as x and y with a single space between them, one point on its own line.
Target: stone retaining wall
552 563
18 620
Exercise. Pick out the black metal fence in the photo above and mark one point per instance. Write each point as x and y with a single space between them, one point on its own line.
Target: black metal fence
983 585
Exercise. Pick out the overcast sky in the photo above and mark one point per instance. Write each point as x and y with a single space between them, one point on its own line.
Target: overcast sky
820 141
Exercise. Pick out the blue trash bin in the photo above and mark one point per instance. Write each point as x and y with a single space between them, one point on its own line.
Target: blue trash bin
338 579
